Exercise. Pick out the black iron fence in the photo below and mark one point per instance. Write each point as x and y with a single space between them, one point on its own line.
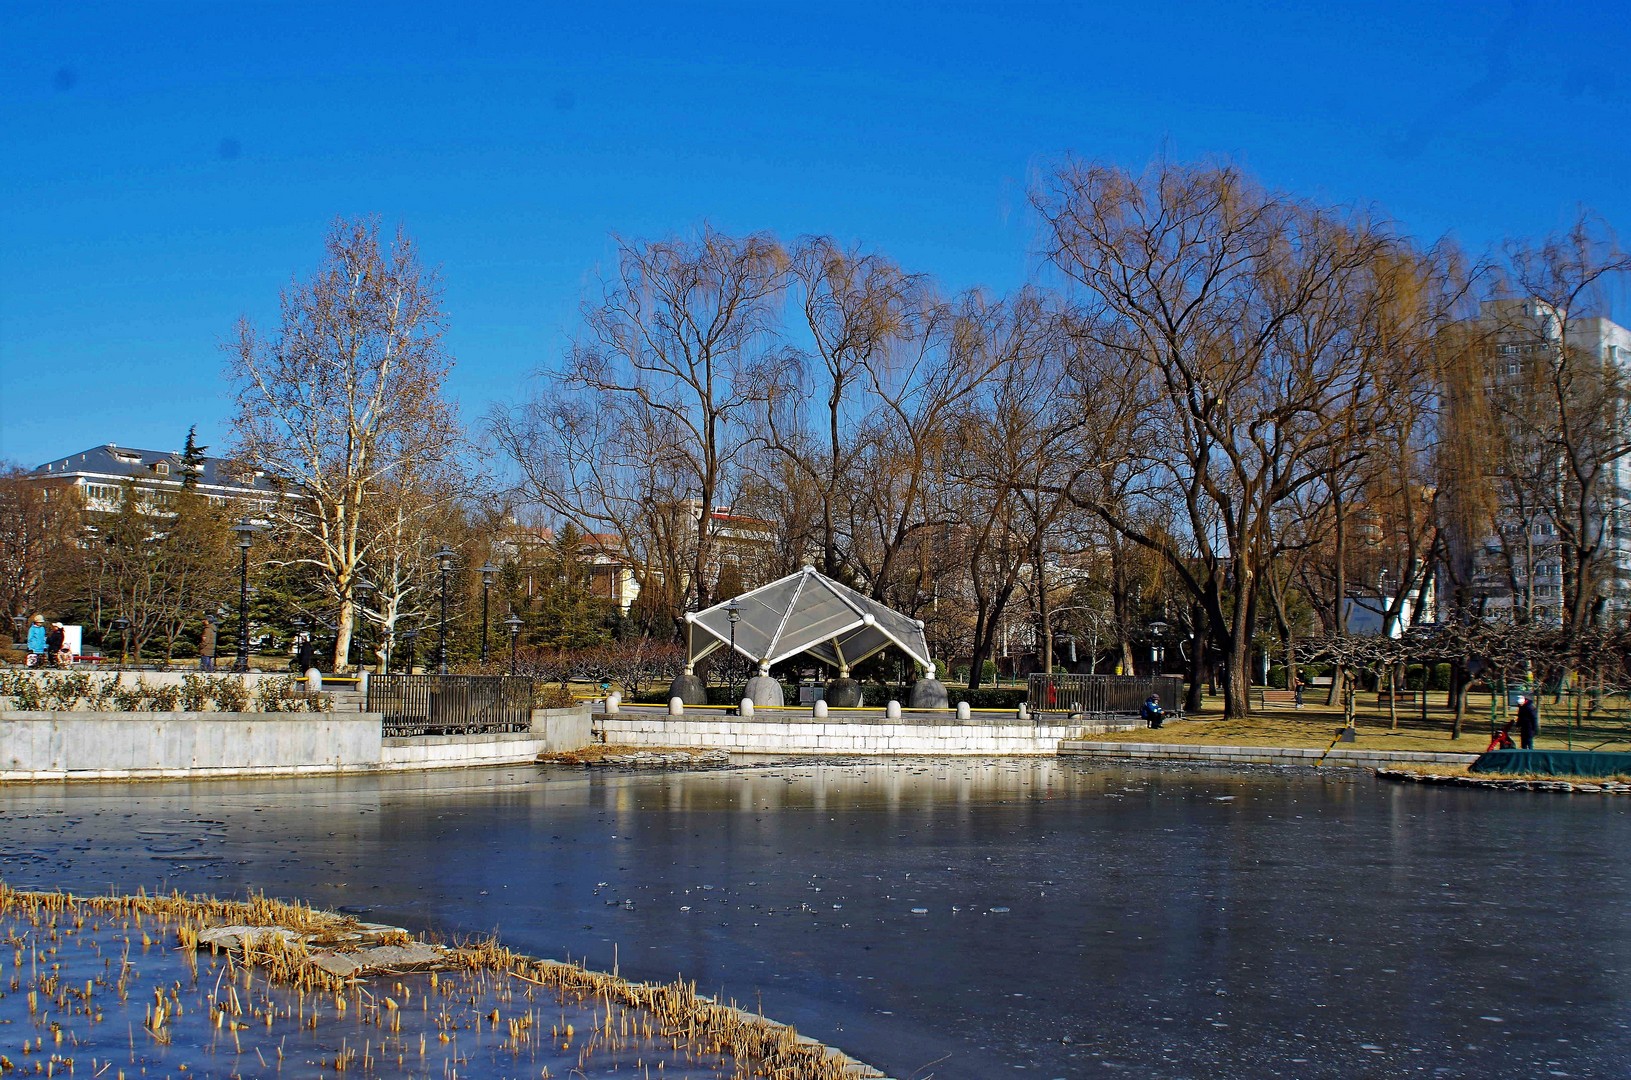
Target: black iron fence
451 704
1094 696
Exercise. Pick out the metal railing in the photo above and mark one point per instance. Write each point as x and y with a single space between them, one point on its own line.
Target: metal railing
1093 696
451 704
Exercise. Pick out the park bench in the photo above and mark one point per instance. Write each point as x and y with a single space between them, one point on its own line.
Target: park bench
1279 697
1401 697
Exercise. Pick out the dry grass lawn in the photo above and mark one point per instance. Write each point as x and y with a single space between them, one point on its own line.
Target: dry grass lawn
1316 725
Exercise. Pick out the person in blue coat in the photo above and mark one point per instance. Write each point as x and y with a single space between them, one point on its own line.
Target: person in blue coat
36 642
1152 712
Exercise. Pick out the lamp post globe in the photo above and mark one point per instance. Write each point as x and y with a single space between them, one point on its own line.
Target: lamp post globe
733 612
514 624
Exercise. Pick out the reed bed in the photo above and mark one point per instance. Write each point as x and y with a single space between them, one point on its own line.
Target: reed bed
256 998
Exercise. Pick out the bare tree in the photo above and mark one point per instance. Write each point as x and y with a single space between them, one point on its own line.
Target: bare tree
343 401
1018 448
1245 324
1558 389
858 309
39 533
644 427
193 557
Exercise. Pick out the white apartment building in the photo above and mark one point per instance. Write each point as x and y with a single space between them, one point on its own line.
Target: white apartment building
1521 567
103 473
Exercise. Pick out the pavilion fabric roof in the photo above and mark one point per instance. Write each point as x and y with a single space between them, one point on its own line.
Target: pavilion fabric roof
806 612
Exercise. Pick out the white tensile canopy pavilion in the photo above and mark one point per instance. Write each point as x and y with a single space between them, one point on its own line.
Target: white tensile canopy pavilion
805 612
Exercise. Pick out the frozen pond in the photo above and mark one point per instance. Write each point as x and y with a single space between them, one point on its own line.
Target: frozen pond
965 919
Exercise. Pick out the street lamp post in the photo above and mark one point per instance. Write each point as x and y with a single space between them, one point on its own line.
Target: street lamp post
514 623
121 625
362 588
487 572
733 611
1158 630
444 561
246 536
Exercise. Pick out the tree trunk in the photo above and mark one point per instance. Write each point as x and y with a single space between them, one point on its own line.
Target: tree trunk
1341 544
1237 682
342 638
1197 661
986 622
1456 698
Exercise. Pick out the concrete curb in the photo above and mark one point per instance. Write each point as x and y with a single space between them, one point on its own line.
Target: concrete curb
1257 755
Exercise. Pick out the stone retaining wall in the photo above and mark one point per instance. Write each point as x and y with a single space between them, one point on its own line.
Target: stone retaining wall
936 734
95 745
128 746
1340 757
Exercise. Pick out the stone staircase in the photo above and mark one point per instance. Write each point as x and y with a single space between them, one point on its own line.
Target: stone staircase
347 700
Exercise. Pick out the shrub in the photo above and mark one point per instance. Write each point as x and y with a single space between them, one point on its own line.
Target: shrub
164 698
26 692
62 691
551 696
128 698
195 693
230 693
272 695
99 693
285 695
990 697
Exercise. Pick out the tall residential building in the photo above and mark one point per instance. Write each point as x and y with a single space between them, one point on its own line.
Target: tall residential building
1523 563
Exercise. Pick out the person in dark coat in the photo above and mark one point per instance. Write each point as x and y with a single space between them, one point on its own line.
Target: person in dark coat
53 646
305 654
1528 721
206 645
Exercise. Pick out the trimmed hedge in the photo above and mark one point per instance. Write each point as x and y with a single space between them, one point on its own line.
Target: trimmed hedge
989 697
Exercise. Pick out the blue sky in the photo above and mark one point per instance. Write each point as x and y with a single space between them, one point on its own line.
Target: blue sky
167 167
